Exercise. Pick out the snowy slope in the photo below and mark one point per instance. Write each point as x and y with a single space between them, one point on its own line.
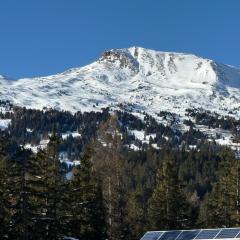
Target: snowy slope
148 80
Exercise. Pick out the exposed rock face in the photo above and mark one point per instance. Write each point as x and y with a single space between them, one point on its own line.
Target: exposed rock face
124 59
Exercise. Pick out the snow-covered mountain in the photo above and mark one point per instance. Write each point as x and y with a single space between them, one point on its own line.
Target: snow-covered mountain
144 80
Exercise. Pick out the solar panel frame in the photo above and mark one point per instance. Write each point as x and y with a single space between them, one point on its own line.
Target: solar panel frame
188 235
238 236
208 233
228 233
170 235
195 234
154 235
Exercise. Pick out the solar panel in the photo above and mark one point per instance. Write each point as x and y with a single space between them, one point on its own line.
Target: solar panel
238 236
152 235
207 233
228 233
224 233
188 235
171 235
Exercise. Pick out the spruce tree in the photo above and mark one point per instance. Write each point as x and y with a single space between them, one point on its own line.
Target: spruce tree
223 201
137 214
88 212
18 198
168 208
39 192
55 188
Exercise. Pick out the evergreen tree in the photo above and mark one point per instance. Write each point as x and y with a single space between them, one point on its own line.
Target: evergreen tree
221 207
39 178
168 208
136 214
18 198
87 206
55 187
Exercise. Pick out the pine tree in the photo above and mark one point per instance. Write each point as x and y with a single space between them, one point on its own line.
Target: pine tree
168 208
137 214
55 188
88 212
37 179
223 201
22 178
18 199
47 193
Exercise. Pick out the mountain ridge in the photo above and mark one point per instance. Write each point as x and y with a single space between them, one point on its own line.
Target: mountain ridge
140 79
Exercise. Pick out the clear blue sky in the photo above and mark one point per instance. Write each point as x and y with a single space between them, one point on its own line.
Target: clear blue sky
41 37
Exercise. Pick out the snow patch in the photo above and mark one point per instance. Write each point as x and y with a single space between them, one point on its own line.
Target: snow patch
4 123
68 134
35 148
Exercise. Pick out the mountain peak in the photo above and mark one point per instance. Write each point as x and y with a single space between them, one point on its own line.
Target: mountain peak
121 57
144 79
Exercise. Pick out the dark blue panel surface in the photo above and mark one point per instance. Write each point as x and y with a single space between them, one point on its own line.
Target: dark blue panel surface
171 235
188 235
208 234
152 235
225 233
228 233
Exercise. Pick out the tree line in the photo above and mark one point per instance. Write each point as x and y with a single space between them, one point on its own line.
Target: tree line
115 193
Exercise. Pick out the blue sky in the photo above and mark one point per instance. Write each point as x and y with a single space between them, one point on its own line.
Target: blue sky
42 37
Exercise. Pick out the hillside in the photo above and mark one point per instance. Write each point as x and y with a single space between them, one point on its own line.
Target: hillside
140 122
136 78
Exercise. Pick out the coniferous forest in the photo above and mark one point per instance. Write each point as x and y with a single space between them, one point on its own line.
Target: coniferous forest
119 120
115 192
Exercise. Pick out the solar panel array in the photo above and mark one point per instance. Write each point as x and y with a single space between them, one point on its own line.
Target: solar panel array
221 233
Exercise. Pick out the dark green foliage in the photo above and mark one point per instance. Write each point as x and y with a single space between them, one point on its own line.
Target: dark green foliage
137 214
18 196
87 206
221 207
116 192
168 207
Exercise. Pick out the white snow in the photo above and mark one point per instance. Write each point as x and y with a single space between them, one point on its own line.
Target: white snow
63 156
148 80
154 145
42 145
70 163
134 147
192 146
29 130
4 123
221 137
140 135
73 134
137 79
